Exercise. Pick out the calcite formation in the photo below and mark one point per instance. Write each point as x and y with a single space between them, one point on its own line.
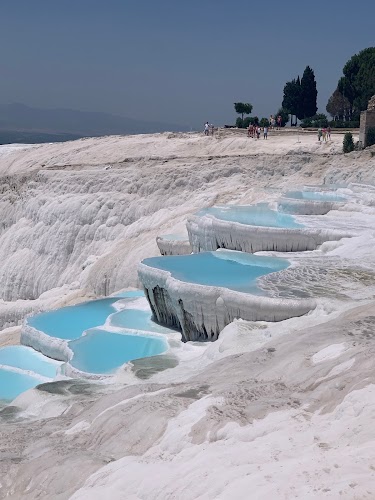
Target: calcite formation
173 247
208 234
52 347
306 207
201 311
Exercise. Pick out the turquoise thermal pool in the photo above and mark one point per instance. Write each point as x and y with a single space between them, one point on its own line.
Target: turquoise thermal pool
25 358
70 322
252 215
102 352
21 369
13 383
224 268
314 196
135 319
133 294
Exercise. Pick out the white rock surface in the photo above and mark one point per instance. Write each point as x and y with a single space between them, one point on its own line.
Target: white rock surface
250 412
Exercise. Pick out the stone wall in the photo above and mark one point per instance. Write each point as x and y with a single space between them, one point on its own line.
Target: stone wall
367 121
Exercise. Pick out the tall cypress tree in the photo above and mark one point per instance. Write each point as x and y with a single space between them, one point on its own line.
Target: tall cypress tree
292 98
299 110
308 93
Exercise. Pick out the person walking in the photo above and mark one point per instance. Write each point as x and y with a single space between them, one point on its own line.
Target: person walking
265 132
206 128
319 134
324 134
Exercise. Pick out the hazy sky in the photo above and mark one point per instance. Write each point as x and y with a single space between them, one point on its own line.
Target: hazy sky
172 60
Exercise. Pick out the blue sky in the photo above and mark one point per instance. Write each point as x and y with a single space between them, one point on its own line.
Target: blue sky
175 61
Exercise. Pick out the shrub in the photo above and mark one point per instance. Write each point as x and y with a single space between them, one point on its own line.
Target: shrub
306 122
264 122
370 137
342 124
247 121
315 121
348 143
239 122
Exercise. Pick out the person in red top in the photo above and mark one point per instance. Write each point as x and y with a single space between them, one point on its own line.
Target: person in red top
279 121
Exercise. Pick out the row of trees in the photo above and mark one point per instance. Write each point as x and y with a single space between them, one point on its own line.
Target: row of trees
353 91
300 96
355 88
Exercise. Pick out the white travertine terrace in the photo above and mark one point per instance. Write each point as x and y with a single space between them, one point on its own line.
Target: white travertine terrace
306 207
173 247
48 345
207 233
201 312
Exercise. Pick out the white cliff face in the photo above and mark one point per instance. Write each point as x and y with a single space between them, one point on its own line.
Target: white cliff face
81 214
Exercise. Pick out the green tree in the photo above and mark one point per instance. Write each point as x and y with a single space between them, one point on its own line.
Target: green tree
243 108
292 99
348 143
358 82
309 94
338 106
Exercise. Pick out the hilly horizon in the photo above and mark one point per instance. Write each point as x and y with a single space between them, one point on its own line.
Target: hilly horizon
22 123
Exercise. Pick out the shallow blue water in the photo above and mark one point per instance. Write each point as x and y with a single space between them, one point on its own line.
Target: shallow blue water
225 268
136 319
131 294
253 215
25 358
12 384
70 322
314 196
102 352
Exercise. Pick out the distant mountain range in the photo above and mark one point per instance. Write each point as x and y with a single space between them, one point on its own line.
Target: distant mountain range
21 123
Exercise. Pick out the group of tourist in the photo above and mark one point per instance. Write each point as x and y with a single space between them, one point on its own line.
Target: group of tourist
275 121
324 134
254 131
208 129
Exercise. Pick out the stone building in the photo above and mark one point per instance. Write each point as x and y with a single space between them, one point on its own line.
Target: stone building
367 121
